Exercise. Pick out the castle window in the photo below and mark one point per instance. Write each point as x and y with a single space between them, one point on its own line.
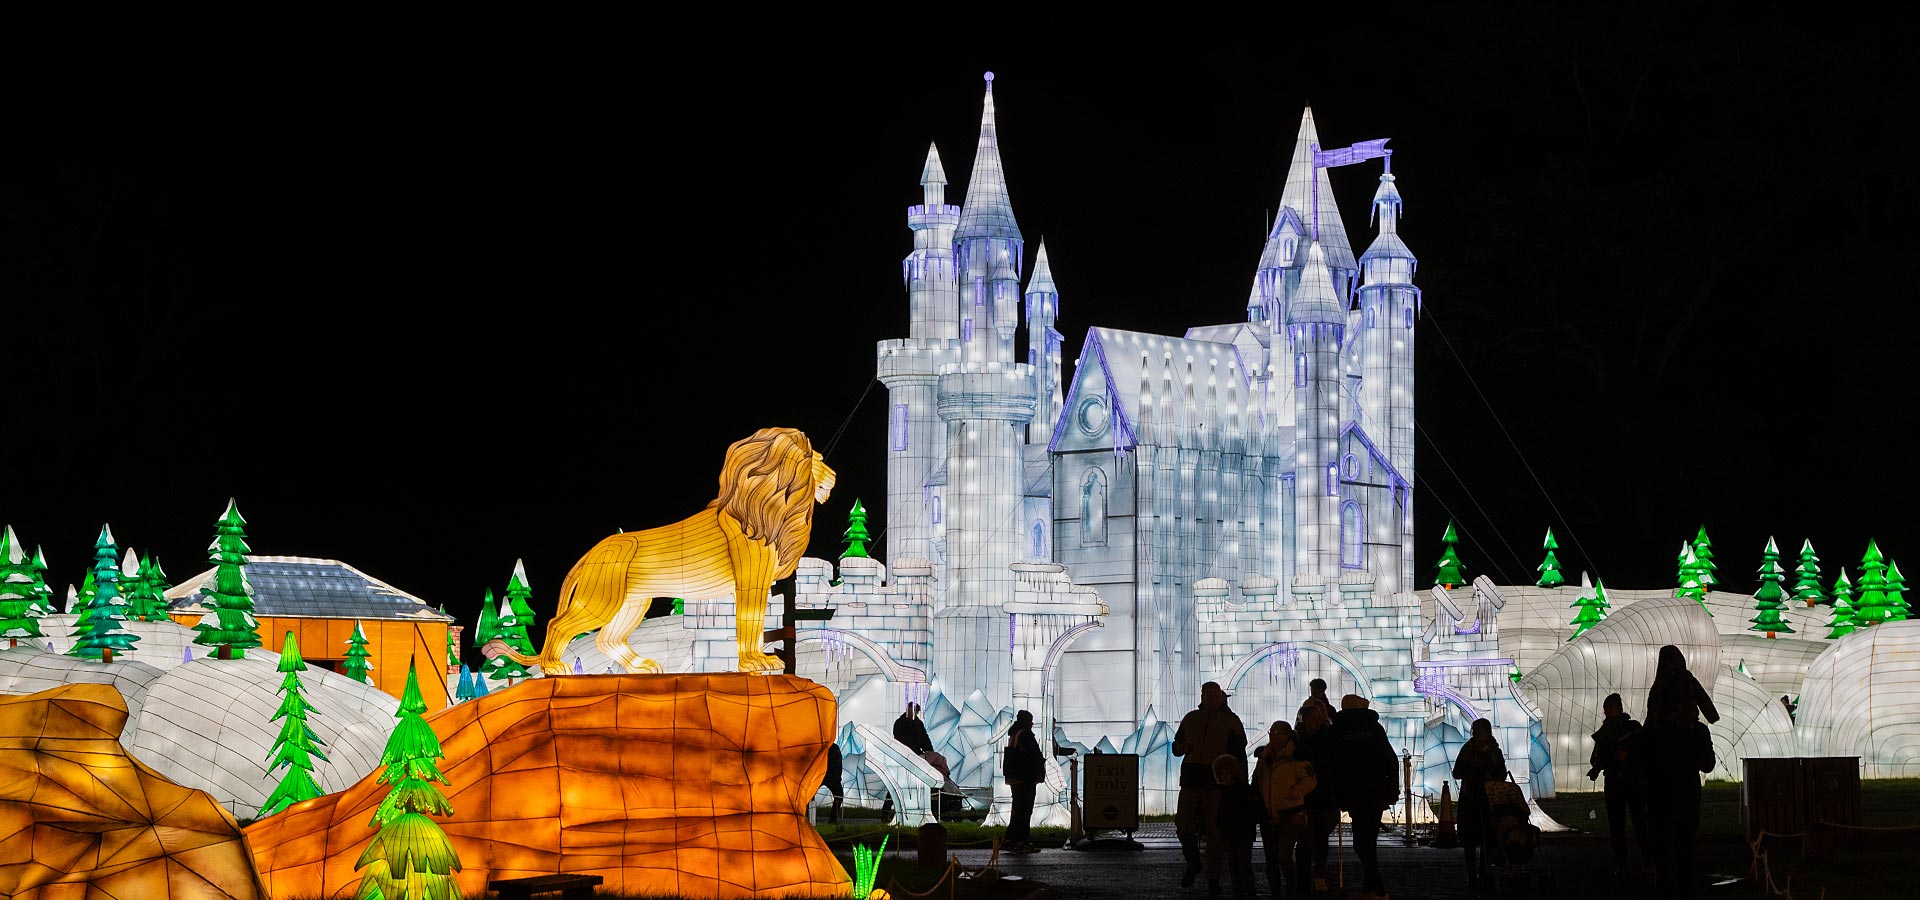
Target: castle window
1352 466
1093 509
1409 312
1370 316
1333 479
1286 252
966 329
899 426
933 508
1352 533
1037 541
1300 370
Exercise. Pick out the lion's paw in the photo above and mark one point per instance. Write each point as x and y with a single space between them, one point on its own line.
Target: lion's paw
764 663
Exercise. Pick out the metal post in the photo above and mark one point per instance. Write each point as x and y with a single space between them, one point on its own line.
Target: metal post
1074 832
1406 775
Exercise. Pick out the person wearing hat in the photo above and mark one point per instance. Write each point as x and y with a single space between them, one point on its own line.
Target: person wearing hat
1365 774
1024 769
1204 735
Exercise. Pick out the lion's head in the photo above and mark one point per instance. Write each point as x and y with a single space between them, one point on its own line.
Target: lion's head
769 484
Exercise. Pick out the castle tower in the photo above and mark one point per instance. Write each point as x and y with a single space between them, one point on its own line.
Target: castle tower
916 438
987 401
1043 348
1389 304
1316 325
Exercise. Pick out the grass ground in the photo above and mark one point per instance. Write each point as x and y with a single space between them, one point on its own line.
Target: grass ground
1875 860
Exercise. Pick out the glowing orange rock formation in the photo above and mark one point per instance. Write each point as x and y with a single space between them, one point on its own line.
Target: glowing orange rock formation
680 785
81 819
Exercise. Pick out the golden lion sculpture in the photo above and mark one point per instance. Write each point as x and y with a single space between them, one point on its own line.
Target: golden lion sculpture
743 542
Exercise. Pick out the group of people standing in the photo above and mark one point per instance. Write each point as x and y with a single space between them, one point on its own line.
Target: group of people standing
1307 772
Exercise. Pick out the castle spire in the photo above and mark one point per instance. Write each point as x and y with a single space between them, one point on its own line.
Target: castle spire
933 178
1043 348
987 212
1303 179
1316 303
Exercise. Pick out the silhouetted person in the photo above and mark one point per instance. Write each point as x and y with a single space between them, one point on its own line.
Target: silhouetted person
1239 816
911 731
1316 697
832 781
1615 755
1366 779
1311 738
1204 734
1478 762
1679 749
1282 781
1024 769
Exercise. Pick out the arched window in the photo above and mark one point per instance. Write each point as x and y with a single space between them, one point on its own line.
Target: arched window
1286 251
1299 370
1037 541
1093 509
933 506
1370 317
1352 532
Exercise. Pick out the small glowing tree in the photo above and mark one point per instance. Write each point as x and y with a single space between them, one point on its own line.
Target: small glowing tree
357 665
1703 555
464 692
1689 576
229 625
1897 594
1807 585
1842 624
1450 569
410 858
98 630
1770 598
1592 605
42 594
486 630
856 537
296 746
516 616
1549 568
144 587
20 612
1871 606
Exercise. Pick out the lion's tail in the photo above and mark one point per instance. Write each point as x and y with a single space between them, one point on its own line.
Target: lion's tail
558 634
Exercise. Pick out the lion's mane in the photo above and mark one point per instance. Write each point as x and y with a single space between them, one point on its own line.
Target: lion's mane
767 485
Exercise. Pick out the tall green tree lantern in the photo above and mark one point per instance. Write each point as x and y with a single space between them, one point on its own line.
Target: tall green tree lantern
1549 568
296 746
1842 623
410 858
1872 606
102 633
856 537
1806 585
20 612
1591 607
357 665
229 624
1771 598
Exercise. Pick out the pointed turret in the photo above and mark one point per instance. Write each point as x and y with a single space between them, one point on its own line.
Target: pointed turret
1043 348
1316 303
987 211
1299 195
933 178
1387 259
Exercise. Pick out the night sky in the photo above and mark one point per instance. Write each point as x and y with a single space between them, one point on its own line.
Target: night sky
430 306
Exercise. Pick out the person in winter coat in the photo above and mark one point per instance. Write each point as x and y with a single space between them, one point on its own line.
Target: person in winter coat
1204 734
1282 783
1240 814
1366 780
832 781
1316 698
1479 762
911 730
1025 768
1676 749
1310 739
1614 754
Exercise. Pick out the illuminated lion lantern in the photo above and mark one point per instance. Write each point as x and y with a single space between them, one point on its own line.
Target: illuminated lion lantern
744 541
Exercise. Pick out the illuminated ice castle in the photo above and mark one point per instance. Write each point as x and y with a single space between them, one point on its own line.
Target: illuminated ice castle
1240 496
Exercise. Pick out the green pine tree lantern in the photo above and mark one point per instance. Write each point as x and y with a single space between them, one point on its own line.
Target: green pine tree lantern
357 664
1689 576
1871 605
410 858
1709 574
1450 571
519 604
488 627
453 647
20 612
1549 568
1591 605
42 594
141 583
1842 594
1806 586
229 625
103 632
1770 599
507 628
856 537
297 745
1897 594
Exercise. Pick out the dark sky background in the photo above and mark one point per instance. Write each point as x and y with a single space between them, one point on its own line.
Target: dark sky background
431 306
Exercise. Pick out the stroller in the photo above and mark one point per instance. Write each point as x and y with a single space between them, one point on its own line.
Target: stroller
1515 839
